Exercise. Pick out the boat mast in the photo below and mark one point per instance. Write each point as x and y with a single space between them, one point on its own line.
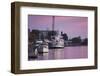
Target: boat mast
53 22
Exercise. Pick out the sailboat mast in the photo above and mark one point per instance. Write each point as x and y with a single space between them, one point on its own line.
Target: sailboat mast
53 22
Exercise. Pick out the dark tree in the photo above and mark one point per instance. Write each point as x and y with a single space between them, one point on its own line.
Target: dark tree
85 41
65 37
76 40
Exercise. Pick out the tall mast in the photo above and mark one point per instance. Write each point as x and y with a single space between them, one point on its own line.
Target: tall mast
53 22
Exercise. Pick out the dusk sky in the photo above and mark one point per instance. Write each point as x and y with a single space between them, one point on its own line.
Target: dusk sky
73 26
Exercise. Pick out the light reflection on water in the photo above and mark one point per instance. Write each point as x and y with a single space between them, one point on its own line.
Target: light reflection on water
75 52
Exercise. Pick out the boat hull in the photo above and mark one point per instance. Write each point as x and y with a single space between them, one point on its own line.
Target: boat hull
56 47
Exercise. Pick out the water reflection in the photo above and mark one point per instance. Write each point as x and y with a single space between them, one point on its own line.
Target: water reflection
75 52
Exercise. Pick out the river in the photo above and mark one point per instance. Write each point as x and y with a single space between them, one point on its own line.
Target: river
72 52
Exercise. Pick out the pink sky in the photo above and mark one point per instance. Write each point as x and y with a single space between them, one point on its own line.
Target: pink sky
73 26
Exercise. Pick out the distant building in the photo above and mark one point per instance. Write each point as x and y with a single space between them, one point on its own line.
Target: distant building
41 35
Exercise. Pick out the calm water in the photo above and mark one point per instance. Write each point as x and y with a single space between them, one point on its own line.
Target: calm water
75 52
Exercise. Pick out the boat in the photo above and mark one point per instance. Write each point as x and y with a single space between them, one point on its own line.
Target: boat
57 40
32 51
42 46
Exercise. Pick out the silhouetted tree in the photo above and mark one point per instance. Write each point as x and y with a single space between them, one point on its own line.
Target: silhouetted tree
76 40
65 37
85 41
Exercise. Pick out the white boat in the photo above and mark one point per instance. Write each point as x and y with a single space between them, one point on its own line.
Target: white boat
42 47
57 40
45 48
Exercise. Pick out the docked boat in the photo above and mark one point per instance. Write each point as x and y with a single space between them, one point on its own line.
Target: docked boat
42 47
57 40
32 51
